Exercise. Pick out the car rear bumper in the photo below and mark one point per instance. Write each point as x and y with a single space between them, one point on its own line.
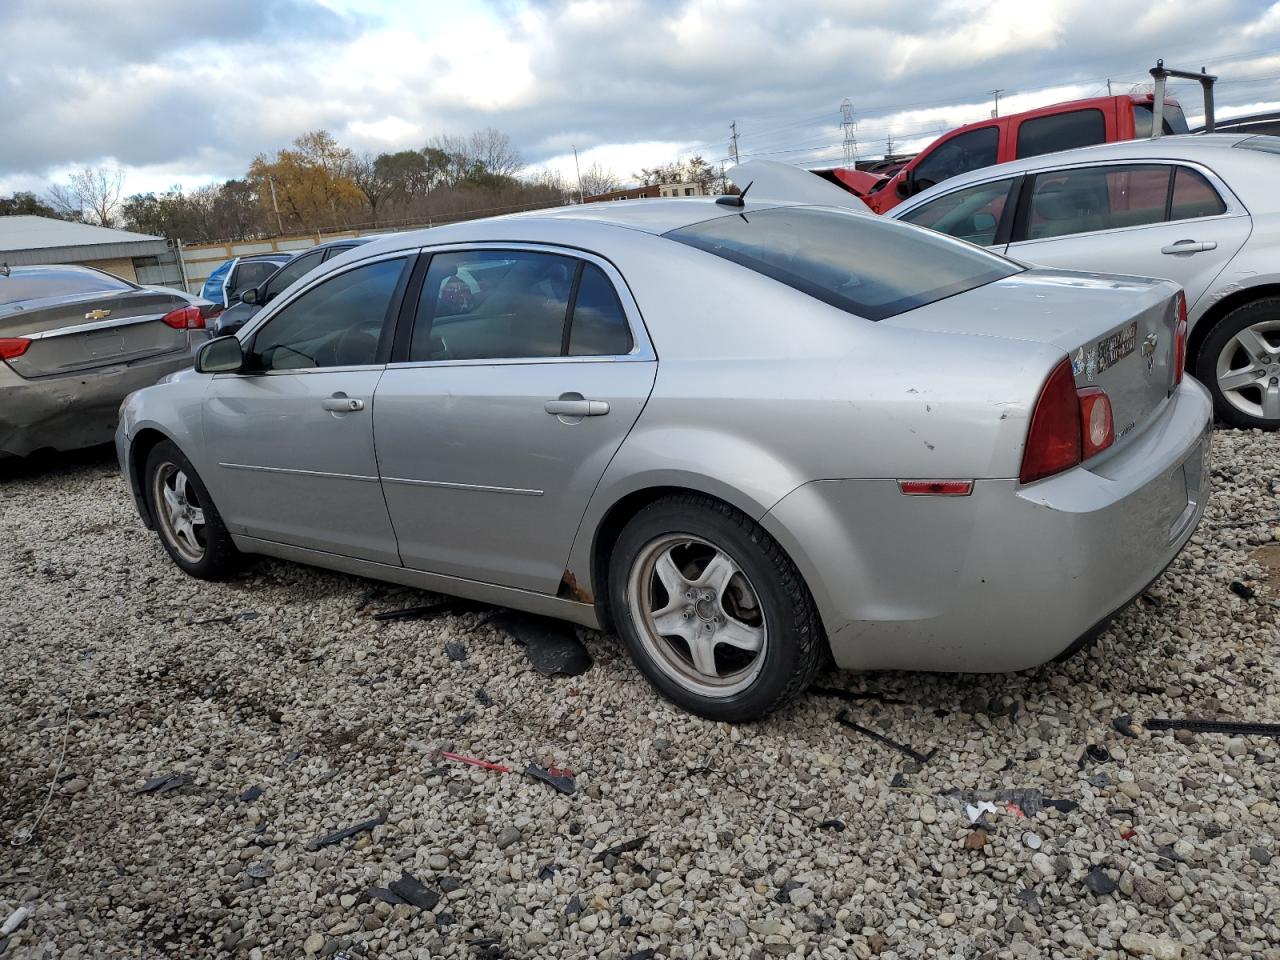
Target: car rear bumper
1009 577
74 410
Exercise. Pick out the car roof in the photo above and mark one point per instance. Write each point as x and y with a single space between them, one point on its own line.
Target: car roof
1194 147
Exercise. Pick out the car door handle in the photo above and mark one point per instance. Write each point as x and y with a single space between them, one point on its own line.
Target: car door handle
576 408
1190 246
341 403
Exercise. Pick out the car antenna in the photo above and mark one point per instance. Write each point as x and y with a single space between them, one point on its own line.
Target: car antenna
736 201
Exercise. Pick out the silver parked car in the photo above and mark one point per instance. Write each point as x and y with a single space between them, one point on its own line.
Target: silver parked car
1202 211
74 342
741 435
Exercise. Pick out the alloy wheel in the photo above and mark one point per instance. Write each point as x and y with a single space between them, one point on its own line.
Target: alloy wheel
1248 370
180 513
698 615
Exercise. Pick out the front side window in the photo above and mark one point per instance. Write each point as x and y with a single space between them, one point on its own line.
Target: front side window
1088 199
338 323
1061 131
868 266
971 214
960 154
291 271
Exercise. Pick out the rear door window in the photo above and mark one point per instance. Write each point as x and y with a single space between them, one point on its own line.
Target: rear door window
598 327
1194 196
960 154
971 214
1143 118
868 266
1088 199
1061 131
249 273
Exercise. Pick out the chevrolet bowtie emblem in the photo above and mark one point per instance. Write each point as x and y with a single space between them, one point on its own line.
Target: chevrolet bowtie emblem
97 314
1149 349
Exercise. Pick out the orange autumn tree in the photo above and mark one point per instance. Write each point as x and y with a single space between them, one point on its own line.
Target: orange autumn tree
313 180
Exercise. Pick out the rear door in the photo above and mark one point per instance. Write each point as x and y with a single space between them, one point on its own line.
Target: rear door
292 436
524 371
1174 221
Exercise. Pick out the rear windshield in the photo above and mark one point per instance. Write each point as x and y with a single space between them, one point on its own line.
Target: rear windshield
871 267
46 283
1265 144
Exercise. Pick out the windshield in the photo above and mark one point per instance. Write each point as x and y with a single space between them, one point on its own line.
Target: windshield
867 266
47 282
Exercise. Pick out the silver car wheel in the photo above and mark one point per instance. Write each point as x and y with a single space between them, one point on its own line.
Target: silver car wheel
1248 370
181 517
697 615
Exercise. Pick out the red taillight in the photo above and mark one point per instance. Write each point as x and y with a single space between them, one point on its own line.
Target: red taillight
1095 421
1053 441
1180 340
12 347
185 318
936 488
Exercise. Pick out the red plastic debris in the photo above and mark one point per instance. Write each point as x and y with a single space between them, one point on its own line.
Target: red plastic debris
483 764
1014 809
1129 834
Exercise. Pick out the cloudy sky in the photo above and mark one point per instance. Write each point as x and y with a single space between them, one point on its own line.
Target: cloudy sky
188 92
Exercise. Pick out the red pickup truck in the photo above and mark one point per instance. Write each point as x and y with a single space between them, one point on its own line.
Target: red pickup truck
1060 126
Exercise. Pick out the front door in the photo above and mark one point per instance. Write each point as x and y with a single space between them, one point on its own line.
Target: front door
523 376
292 436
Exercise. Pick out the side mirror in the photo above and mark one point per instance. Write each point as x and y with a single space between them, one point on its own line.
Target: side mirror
249 296
223 355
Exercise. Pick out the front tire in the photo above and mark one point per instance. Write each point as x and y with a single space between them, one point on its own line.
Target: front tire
188 523
1239 362
712 610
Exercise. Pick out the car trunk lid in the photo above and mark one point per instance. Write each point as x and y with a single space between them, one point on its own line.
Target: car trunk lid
92 331
1117 331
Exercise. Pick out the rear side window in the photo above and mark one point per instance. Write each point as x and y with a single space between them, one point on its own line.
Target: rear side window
971 214
1088 199
868 266
1193 196
960 154
1143 118
250 273
1062 131
44 283
598 327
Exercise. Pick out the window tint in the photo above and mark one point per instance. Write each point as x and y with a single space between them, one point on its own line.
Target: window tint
250 273
44 282
1143 117
849 260
493 304
291 271
969 151
1193 196
335 324
1066 202
970 214
1061 131
599 326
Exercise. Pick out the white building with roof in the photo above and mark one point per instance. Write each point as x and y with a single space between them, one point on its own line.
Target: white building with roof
137 257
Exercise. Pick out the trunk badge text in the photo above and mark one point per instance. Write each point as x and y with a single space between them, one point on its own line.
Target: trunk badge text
97 314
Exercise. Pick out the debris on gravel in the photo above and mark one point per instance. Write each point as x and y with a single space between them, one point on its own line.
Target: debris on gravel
256 738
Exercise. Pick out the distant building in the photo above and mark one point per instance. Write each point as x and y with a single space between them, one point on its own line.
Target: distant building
138 257
656 190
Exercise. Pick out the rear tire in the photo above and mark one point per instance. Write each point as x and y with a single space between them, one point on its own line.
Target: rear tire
188 524
712 610
1239 363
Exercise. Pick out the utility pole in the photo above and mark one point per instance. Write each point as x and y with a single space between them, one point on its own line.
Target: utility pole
850 138
1108 86
275 206
733 140
996 94
888 150
581 198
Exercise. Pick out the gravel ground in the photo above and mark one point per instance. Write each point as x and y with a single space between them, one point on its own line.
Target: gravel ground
298 714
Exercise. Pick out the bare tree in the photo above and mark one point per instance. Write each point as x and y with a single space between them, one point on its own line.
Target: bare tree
597 180
372 180
92 194
494 150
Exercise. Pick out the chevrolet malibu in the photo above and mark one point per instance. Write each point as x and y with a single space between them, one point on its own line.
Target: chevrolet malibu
736 431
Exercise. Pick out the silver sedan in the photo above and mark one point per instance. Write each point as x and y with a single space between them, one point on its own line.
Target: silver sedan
743 434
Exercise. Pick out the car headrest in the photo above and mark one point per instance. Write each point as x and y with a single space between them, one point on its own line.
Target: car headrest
1056 203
